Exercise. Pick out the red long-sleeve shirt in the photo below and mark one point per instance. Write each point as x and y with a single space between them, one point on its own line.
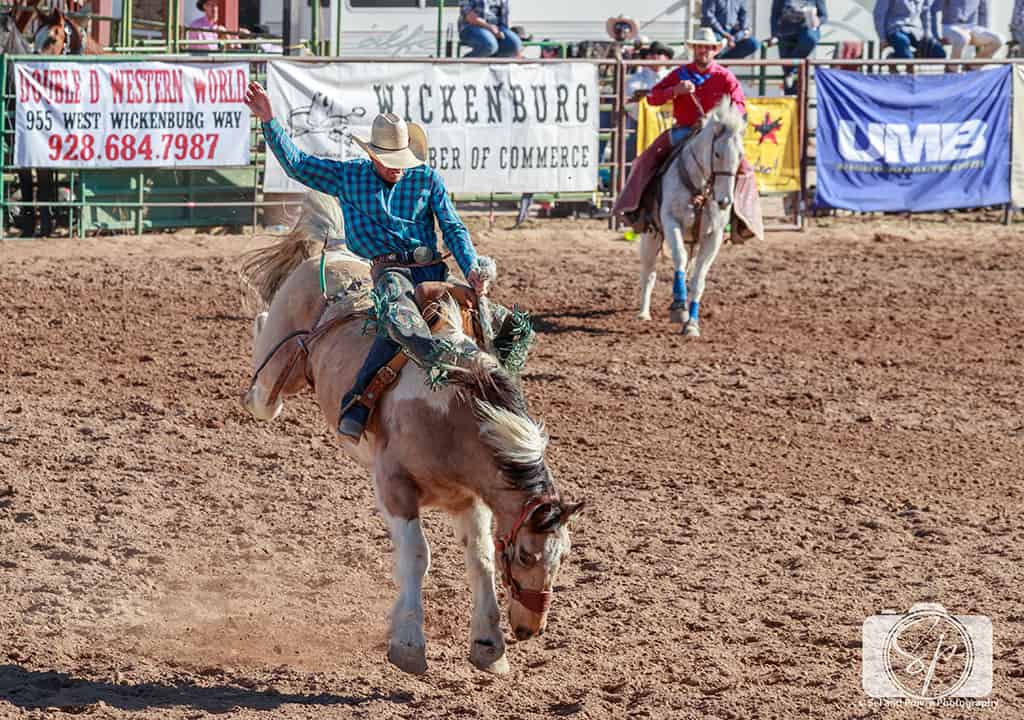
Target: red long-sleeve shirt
720 83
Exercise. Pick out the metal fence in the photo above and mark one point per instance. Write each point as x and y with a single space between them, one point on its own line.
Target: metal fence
137 200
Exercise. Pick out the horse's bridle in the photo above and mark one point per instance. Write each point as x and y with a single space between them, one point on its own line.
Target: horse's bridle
537 601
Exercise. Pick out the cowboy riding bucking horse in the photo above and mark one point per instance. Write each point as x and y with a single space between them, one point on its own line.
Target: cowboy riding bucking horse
389 202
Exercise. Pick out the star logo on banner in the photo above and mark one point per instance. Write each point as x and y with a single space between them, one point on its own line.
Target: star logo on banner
767 129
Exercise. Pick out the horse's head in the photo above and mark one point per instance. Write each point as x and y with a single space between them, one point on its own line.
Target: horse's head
530 557
726 124
51 36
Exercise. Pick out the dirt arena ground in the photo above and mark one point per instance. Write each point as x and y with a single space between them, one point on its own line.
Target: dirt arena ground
848 436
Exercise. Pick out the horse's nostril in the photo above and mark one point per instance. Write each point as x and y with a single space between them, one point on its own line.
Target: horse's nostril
523 633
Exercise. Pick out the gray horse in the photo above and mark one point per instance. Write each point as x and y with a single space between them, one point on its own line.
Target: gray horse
695 203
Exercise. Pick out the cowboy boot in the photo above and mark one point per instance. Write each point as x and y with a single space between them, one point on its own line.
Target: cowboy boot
354 414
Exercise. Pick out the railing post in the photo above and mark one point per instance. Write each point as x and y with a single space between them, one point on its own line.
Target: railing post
619 177
3 146
440 26
314 29
804 78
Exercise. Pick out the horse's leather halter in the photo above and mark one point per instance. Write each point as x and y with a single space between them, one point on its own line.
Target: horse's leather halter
537 601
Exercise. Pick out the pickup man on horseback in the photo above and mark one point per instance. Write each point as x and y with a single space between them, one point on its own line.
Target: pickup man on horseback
389 203
694 89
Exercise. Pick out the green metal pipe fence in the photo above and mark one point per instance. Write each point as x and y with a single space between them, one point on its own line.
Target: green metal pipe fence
140 199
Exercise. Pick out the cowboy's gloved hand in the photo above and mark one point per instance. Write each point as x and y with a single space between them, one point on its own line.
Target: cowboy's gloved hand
684 88
478 282
257 100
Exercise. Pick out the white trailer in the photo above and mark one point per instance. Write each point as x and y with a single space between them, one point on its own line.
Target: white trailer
408 28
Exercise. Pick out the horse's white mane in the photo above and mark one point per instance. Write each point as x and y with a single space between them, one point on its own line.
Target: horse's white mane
728 115
517 441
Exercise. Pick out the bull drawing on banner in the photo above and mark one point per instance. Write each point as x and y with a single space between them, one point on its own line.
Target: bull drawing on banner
323 117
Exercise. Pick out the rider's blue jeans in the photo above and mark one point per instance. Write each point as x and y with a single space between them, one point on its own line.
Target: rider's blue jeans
905 47
485 44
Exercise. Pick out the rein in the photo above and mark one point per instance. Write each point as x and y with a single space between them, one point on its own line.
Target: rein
537 601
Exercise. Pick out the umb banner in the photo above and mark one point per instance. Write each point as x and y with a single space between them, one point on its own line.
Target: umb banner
772 143
906 143
144 114
1018 135
491 128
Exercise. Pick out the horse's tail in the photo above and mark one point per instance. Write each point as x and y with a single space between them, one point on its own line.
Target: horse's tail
264 269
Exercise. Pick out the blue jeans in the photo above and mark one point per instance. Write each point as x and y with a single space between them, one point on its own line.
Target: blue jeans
796 47
485 44
905 47
680 133
744 48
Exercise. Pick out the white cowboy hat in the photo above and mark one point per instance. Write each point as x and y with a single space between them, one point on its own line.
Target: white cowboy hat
627 26
705 36
395 143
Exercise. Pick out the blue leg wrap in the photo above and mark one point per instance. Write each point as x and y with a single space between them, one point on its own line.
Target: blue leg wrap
679 287
695 311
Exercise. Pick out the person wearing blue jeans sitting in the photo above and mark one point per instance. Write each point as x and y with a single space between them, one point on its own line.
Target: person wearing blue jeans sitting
906 26
796 24
483 26
728 19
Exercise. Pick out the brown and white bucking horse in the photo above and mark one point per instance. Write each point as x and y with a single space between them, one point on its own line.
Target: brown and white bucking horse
469 448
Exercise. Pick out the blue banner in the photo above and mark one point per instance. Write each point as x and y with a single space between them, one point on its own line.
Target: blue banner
906 143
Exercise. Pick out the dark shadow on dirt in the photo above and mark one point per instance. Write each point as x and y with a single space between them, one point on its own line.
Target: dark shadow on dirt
554 323
35 689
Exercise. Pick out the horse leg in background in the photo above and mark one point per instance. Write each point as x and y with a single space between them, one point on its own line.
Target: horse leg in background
486 641
25 220
396 496
710 244
47 195
676 241
650 247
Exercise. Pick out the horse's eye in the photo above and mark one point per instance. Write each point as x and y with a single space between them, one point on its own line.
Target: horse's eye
526 559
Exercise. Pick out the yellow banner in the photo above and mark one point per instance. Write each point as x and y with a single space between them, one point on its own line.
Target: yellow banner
650 123
772 143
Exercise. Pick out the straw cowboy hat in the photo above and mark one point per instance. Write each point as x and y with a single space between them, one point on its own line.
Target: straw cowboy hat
622 26
705 36
395 143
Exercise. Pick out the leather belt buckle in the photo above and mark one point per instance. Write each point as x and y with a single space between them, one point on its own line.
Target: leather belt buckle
421 255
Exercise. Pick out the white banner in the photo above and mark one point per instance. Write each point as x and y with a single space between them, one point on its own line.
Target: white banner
140 114
491 128
1017 172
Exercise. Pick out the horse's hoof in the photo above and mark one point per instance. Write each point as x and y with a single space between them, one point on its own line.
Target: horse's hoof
643 316
498 667
489 657
677 313
691 330
408 658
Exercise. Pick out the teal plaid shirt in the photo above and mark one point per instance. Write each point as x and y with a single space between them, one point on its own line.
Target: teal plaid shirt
379 218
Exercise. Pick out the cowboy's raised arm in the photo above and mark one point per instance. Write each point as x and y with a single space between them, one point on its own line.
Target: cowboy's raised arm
453 230
321 174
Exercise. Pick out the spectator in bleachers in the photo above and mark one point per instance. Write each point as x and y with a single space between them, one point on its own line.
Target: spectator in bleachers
906 25
1017 23
797 26
965 22
205 27
728 18
484 27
